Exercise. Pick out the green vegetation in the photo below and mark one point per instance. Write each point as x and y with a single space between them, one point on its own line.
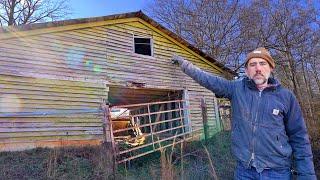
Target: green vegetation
93 162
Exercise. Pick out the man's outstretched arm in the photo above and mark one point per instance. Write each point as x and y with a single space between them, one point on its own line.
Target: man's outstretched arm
220 86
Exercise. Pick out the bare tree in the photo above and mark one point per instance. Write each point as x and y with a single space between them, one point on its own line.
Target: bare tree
212 26
228 30
17 12
290 29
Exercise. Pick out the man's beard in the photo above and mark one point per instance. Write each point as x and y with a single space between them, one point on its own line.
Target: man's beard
259 81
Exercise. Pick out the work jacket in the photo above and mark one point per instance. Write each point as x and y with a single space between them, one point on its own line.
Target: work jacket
268 129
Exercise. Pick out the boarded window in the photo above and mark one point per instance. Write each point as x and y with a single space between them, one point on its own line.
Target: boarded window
142 46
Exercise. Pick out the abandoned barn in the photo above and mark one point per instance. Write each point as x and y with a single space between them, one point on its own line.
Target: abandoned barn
62 81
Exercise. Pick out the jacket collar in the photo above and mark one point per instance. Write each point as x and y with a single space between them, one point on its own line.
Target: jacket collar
273 84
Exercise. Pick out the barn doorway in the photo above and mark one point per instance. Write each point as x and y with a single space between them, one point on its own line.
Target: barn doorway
146 120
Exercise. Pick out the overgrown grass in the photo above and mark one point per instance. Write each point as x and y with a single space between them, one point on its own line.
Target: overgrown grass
93 163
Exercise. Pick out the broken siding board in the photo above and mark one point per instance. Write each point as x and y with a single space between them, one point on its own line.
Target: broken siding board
129 62
153 79
150 80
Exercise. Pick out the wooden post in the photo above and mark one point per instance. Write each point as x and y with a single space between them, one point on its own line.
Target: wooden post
205 119
151 129
181 120
169 116
108 144
217 115
186 111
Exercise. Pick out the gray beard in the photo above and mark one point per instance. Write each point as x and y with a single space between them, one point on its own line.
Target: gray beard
260 81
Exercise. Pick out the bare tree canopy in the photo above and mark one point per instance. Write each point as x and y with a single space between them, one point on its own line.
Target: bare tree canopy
228 30
17 12
212 26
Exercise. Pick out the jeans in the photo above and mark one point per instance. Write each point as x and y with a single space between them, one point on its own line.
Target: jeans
241 173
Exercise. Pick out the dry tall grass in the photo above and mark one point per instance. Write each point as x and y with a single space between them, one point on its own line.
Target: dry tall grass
52 163
168 171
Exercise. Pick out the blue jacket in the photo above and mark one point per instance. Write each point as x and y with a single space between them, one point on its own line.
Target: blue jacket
268 129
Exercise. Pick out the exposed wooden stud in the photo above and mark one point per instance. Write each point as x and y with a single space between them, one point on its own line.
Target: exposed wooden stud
205 119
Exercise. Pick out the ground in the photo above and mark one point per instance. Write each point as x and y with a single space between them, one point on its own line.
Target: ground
91 163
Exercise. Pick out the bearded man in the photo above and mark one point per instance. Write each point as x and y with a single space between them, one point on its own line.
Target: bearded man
269 136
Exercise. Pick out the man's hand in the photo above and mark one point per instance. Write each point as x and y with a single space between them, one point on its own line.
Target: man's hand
177 60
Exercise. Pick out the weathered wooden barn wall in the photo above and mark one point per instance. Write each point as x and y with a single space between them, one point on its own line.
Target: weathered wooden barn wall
157 70
71 67
59 72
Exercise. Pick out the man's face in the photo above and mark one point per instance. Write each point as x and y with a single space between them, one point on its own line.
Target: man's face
258 70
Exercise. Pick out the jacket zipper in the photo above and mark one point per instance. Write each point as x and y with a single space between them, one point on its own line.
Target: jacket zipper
254 129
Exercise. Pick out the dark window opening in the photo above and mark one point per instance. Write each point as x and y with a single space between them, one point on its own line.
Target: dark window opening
142 46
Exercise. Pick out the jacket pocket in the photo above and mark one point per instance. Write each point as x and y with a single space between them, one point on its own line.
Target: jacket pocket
273 116
283 146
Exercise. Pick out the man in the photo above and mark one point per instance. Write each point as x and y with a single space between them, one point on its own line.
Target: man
269 135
